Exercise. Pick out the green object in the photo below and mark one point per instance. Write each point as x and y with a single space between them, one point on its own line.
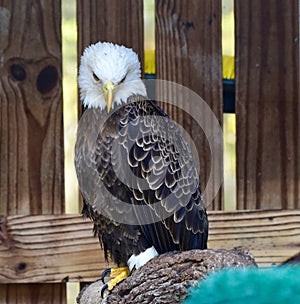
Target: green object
259 286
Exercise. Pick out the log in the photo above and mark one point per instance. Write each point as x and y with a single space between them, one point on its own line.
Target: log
294 260
167 277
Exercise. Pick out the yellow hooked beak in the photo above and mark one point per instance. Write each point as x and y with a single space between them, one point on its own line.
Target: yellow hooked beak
108 95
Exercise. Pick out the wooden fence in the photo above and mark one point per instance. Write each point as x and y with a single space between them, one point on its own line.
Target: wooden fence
41 247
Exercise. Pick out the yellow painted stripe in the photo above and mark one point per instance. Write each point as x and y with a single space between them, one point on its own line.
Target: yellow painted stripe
228 64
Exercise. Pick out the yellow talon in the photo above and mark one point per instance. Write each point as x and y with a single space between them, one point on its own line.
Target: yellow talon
117 275
118 271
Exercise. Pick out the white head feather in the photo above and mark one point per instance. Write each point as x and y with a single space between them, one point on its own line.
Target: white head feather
105 62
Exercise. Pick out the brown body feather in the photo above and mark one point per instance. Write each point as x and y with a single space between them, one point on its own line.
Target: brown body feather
162 176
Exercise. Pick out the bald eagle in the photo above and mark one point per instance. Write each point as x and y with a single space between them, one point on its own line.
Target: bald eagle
135 170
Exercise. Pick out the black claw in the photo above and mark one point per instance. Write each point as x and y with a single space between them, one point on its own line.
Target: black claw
105 286
104 274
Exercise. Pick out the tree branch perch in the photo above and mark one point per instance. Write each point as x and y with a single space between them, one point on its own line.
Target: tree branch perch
166 278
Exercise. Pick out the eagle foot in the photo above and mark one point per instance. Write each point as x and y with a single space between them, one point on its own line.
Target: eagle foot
117 275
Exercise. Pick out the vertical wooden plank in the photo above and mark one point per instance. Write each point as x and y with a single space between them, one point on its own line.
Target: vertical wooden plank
114 21
31 163
33 293
267 104
31 133
188 52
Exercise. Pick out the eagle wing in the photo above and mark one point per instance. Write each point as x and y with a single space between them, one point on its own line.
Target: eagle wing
164 177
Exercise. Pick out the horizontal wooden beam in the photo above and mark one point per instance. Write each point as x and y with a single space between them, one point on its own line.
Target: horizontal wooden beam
272 236
58 248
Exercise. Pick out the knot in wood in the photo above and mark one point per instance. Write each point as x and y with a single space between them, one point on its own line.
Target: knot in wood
47 79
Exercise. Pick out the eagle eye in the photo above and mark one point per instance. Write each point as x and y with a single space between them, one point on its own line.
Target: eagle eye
95 77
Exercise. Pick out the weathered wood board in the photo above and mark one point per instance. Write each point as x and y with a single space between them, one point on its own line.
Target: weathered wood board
267 104
60 248
31 125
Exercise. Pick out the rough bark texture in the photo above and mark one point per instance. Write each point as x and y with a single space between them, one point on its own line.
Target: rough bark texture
166 278
294 260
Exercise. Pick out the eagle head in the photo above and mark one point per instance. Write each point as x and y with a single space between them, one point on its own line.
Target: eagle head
108 75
